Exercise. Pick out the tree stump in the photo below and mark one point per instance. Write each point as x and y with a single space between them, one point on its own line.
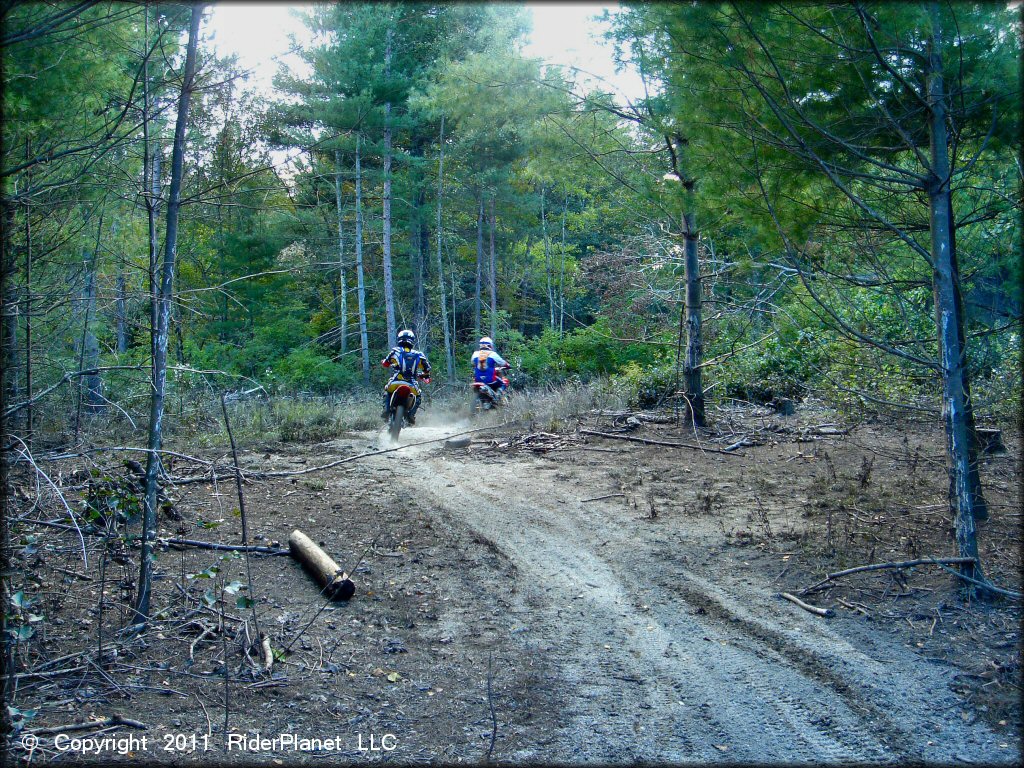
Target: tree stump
335 583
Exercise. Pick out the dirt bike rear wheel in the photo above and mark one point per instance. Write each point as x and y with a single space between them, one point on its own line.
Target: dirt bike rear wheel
397 417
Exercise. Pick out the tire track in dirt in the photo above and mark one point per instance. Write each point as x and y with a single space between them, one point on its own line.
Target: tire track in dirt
687 672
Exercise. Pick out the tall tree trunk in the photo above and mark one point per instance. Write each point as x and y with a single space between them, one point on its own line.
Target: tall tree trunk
547 260
455 317
90 344
360 283
156 410
561 274
493 279
422 250
151 154
479 265
121 314
342 296
11 362
694 343
978 503
29 421
947 320
389 291
449 354
7 679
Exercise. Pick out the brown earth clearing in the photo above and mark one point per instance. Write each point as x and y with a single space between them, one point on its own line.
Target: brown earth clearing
541 595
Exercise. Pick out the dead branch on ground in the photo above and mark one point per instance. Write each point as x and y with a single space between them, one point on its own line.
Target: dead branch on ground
807 606
645 441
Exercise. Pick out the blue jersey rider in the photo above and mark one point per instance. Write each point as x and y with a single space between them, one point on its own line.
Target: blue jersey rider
410 366
486 364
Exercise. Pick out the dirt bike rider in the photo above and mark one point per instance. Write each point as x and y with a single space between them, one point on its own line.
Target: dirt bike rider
486 365
410 365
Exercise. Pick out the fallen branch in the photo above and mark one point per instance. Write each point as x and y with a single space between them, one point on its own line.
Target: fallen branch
807 606
602 498
984 584
880 566
110 721
254 549
745 442
854 607
192 648
656 442
329 465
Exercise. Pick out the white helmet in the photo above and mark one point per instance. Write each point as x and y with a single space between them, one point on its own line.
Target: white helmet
486 343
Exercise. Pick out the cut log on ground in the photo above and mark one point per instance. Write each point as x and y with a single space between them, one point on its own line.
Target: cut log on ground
336 584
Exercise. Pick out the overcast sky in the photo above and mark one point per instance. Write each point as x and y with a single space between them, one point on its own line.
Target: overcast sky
563 33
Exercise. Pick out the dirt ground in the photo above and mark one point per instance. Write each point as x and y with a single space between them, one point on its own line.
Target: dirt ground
549 598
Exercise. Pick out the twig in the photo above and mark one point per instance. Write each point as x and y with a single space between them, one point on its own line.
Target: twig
606 496
191 649
241 511
806 606
657 442
209 724
253 548
27 453
854 607
880 566
490 703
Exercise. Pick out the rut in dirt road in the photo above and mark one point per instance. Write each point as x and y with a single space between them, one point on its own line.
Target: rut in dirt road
657 662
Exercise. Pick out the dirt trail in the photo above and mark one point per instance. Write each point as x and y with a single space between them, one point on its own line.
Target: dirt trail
664 655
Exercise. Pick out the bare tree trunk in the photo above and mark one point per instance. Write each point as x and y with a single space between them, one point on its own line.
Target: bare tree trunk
547 260
90 344
11 363
389 294
360 283
694 342
7 679
422 235
156 411
342 297
493 279
29 421
947 320
479 265
121 315
561 275
978 503
449 354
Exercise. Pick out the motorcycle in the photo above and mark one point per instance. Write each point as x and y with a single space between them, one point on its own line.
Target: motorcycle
486 397
402 398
